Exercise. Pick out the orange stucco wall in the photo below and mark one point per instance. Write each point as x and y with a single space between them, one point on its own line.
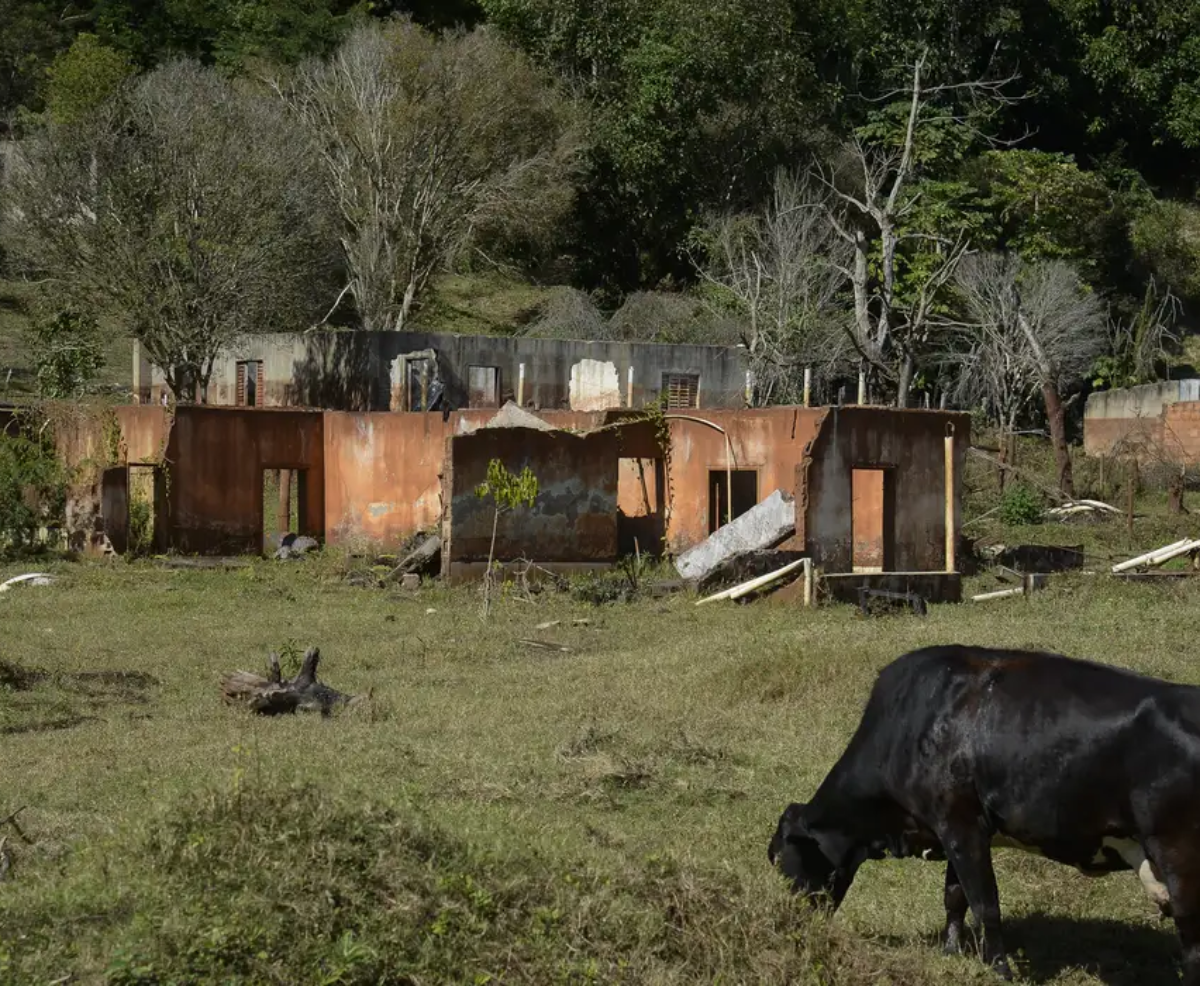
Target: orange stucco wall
771 441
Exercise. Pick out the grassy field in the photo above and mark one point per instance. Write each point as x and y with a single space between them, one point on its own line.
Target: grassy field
500 812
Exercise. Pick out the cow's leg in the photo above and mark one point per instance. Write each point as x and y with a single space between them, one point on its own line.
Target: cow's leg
956 910
1179 864
968 851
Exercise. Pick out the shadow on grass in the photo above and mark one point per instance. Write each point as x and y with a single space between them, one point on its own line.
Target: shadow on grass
1041 947
1115 952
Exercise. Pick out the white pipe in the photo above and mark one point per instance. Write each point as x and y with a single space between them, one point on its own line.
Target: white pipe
1149 557
1002 594
521 385
748 587
807 385
808 582
862 387
629 388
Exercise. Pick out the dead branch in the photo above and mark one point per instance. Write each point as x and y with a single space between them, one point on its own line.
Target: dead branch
12 820
273 695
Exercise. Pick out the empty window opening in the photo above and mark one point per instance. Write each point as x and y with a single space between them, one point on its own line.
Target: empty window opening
483 386
249 390
682 390
871 520
284 505
419 381
745 495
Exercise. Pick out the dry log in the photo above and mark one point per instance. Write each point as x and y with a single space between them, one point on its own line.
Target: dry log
273 695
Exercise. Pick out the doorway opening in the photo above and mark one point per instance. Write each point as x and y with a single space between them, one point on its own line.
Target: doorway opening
744 495
144 495
872 520
284 503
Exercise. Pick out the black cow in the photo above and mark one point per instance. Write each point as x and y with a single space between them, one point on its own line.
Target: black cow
964 748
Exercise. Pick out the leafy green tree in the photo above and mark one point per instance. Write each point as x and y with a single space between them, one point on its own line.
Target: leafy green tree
83 77
67 353
696 103
507 491
31 33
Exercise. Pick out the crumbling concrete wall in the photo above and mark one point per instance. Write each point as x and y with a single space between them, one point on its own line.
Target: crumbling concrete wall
217 457
770 441
573 520
351 370
384 470
910 447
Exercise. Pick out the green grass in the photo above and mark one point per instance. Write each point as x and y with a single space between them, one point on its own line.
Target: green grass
480 304
535 816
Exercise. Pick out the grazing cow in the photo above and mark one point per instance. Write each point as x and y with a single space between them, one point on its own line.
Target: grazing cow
964 748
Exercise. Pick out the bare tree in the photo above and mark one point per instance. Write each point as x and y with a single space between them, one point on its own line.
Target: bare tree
1039 327
873 195
426 143
181 208
986 352
781 272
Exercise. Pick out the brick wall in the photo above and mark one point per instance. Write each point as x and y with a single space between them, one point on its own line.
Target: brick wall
1172 435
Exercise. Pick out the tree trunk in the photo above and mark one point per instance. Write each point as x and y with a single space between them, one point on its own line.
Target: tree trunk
907 371
1058 437
1175 495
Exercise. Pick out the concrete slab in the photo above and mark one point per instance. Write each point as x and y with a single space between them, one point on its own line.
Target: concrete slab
760 527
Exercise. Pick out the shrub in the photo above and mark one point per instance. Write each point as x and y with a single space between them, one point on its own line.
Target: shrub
1021 504
33 492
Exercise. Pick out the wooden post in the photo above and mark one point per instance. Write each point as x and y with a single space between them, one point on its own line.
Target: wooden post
807 385
862 386
808 582
283 519
1131 483
951 534
520 385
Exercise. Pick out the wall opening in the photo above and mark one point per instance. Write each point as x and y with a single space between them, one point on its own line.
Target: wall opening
284 503
483 386
682 390
745 495
143 510
872 520
641 522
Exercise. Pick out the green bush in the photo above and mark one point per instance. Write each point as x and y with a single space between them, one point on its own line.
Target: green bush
1021 504
33 492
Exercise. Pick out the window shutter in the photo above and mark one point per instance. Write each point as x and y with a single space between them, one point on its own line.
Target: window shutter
682 390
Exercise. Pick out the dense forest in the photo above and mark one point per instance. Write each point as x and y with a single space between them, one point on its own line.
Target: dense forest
989 203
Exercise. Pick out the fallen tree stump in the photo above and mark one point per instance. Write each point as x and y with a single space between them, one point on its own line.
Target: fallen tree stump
273 695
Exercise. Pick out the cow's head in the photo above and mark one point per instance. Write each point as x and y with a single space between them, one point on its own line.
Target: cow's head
820 865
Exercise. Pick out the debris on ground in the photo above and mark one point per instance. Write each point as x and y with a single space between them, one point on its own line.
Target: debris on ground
1160 556
1040 557
295 546
1029 582
31 578
762 526
545 645
873 602
421 556
410 581
172 561
1076 508
743 567
754 585
273 695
